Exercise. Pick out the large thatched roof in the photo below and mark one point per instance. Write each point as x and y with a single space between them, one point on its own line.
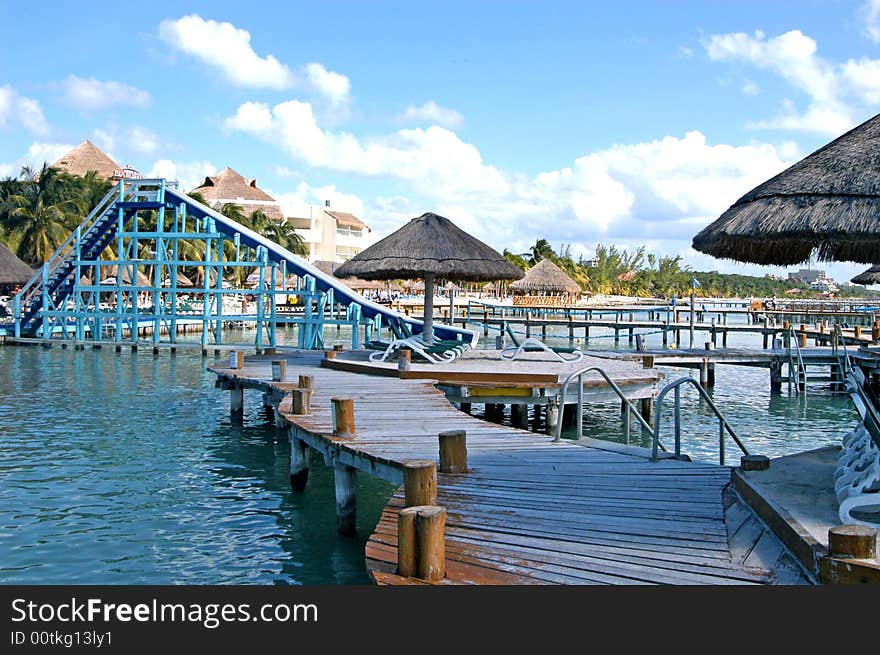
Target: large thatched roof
229 186
88 157
429 245
12 269
871 276
546 276
354 283
829 201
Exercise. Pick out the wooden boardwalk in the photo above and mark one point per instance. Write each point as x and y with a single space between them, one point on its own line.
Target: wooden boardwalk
530 511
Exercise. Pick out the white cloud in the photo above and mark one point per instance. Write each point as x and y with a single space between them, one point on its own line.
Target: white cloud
188 174
91 94
37 154
18 109
793 56
870 13
434 157
228 48
432 112
863 76
750 88
296 203
333 86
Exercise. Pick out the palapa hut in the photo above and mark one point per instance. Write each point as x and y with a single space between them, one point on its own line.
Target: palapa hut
13 271
230 187
871 276
110 272
828 201
429 247
357 284
88 157
546 279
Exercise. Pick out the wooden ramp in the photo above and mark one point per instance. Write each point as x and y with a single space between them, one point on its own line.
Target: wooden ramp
528 511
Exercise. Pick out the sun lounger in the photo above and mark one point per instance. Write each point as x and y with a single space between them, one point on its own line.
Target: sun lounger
439 352
531 345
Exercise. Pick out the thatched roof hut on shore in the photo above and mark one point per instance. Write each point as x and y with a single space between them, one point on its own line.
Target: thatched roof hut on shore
546 277
230 187
13 271
828 201
88 157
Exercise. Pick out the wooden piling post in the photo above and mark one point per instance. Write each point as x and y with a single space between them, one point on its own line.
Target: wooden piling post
330 354
236 404
421 543
519 416
299 463
419 482
343 416
647 410
404 359
465 407
306 382
775 377
279 370
345 483
301 401
453 451
236 359
856 541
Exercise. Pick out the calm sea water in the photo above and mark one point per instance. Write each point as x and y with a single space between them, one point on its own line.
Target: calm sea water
125 469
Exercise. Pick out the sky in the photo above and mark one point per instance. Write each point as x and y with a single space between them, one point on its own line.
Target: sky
625 123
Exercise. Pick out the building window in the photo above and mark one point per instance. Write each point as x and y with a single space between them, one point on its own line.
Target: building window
346 252
349 232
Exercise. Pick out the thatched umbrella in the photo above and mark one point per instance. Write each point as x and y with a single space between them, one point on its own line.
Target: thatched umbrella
13 271
548 277
871 276
142 280
427 247
828 201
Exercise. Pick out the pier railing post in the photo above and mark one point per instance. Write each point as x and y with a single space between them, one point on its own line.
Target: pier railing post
421 543
345 483
419 482
453 451
343 416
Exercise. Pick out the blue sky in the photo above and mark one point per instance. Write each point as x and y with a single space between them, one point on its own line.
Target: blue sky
623 123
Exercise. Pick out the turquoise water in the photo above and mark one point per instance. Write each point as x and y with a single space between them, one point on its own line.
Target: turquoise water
125 469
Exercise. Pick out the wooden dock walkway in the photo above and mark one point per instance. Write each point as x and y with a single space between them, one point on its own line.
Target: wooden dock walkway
528 511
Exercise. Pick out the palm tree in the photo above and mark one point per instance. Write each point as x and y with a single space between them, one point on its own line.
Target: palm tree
285 235
41 215
541 250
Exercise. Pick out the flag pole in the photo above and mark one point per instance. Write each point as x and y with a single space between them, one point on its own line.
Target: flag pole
693 291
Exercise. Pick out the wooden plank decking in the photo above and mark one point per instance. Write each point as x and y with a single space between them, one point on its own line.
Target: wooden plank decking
530 511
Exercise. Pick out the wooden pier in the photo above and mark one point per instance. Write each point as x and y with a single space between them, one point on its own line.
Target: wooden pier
527 510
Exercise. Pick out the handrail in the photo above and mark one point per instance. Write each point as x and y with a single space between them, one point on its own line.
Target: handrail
580 405
801 367
722 422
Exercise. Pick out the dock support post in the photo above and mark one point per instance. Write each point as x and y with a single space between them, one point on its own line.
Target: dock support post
465 407
299 463
519 416
453 451
553 410
630 337
345 480
536 416
236 404
857 541
775 377
646 409
569 416
421 543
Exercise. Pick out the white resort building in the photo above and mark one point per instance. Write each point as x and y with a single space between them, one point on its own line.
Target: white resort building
332 236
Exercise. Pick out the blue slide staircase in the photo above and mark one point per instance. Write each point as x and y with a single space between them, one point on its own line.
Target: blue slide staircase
55 282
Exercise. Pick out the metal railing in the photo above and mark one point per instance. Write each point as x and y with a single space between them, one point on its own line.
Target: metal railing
796 363
579 374
722 422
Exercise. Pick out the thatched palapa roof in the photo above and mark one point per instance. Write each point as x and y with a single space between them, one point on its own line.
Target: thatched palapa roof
546 276
429 245
356 284
229 186
13 271
871 276
88 157
828 201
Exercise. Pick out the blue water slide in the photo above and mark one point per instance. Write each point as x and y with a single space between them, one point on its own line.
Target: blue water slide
323 282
